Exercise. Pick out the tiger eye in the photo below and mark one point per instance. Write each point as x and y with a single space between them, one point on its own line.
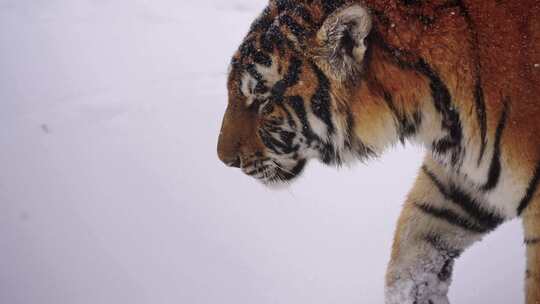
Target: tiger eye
260 88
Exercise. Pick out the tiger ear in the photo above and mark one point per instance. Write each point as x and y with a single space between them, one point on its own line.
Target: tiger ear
341 41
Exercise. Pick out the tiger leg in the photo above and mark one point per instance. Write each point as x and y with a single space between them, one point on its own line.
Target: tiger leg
438 222
531 225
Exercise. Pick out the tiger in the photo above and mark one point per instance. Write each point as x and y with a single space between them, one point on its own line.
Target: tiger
344 80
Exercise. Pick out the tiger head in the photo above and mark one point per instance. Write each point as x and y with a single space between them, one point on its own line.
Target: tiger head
288 86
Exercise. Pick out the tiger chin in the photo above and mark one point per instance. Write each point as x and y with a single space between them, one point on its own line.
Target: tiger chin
340 81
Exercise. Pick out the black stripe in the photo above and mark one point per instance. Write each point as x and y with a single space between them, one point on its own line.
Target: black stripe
329 154
405 125
304 14
287 137
353 143
257 170
247 48
297 104
268 141
446 271
290 119
273 38
285 147
468 204
480 115
441 246
411 2
262 58
349 139
250 68
441 96
452 218
284 5
531 189
295 68
495 166
389 100
479 101
260 88
321 101
295 28
289 80
272 127
532 241
443 104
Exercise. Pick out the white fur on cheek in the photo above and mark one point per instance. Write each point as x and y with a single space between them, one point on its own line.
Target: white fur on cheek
270 74
317 126
247 87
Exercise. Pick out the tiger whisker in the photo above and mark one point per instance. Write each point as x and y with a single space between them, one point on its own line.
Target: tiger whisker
281 168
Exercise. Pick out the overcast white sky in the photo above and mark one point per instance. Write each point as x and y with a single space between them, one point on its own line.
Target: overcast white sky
111 190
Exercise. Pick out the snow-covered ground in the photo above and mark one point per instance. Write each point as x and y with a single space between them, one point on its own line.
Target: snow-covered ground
111 190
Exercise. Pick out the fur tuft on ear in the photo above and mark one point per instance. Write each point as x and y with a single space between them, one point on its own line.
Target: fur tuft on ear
341 41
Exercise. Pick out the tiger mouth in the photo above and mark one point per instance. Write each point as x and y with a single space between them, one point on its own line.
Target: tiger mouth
271 172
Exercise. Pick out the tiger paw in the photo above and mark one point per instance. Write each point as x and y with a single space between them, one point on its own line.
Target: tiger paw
411 291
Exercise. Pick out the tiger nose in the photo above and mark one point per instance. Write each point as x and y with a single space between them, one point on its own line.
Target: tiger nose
232 162
229 154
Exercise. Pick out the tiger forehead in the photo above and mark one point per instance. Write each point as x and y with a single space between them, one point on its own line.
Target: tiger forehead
291 76
285 25
311 12
271 47
256 81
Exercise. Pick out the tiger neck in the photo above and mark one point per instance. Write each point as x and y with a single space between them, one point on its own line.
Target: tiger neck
400 101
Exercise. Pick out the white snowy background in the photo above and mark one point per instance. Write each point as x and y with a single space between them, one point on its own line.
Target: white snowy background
111 190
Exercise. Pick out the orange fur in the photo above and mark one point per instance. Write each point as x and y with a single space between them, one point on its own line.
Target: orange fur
485 47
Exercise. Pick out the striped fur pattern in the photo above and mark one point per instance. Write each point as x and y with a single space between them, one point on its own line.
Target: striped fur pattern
343 80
